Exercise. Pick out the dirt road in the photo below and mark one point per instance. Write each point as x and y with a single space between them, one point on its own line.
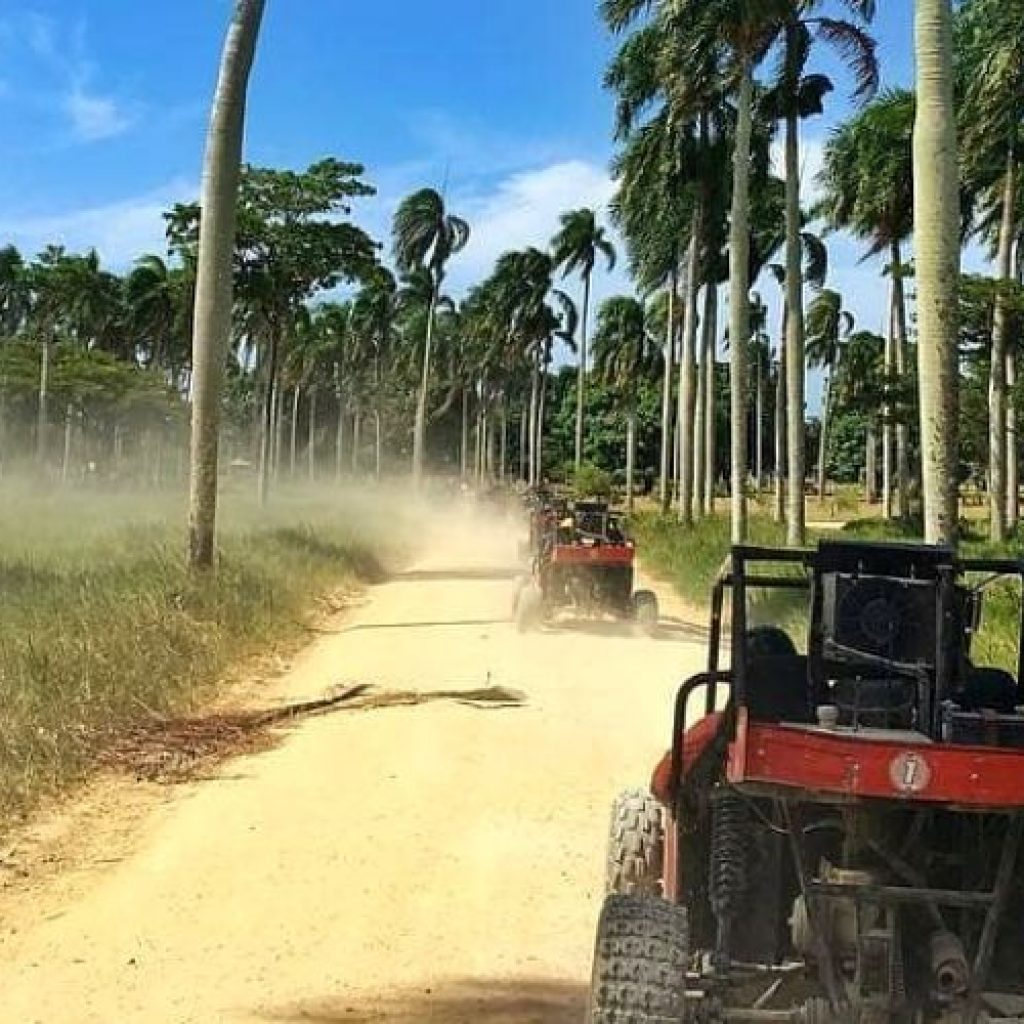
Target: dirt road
437 863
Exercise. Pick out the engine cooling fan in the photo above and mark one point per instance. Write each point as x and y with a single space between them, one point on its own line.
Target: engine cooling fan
881 616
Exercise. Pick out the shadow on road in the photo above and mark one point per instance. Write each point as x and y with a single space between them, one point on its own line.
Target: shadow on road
363 627
447 575
521 1001
668 629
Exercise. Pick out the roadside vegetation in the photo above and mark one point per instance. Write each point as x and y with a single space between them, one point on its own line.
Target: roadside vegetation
102 628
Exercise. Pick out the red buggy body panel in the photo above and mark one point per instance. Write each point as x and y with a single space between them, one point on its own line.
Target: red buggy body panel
597 554
857 765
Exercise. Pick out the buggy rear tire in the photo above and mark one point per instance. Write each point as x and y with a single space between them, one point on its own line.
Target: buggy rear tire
529 608
640 962
636 845
645 611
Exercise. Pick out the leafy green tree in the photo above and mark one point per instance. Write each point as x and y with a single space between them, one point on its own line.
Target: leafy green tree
860 385
293 243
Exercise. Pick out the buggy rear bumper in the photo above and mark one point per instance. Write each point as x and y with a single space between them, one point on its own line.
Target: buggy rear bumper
597 554
849 765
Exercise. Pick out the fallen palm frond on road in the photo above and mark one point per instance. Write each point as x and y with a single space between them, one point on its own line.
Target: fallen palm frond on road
182 749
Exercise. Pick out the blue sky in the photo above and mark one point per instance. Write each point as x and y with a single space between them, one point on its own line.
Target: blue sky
103 106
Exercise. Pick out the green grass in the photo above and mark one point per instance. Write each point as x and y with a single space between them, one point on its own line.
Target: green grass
101 627
690 558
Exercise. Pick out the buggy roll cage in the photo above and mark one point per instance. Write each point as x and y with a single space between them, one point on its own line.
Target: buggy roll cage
735 576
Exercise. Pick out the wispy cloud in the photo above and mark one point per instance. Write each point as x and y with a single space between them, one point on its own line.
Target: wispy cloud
67 77
94 118
120 231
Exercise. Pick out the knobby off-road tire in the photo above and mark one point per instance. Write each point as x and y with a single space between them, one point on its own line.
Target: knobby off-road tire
529 608
640 962
636 845
645 612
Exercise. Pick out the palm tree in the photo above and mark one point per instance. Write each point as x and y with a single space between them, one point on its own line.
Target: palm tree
653 209
158 297
937 260
989 39
375 312
867 179
14 291
426 237
790 456
213 301
576 247
796 96
624 353
828 327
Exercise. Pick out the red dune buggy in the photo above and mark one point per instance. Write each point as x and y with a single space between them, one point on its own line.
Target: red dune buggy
838 838
584 563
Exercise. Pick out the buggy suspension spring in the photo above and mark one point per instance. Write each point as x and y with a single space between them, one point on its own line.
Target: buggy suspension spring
730 832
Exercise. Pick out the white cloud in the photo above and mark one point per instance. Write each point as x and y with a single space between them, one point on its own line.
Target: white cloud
120 231
523 210
94 118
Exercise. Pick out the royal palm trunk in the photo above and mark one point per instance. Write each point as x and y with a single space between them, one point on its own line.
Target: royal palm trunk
887 431
871 465
665 480
688 371
581 382
503 449
902 369
826 413
998 457
710 402
937 260
534 416
796 469
780 430
464 437
419 438
357 440
268 449
312 434
630 456
294 446
739 310
213 296
700 412
69 428
43 409
759 417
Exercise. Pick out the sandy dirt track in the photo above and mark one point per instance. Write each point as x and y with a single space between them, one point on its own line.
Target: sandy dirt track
437 863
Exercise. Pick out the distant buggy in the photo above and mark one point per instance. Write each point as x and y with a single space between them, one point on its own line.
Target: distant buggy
584 563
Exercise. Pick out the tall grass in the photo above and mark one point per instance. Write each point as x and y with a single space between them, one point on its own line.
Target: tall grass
691 557
101 626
